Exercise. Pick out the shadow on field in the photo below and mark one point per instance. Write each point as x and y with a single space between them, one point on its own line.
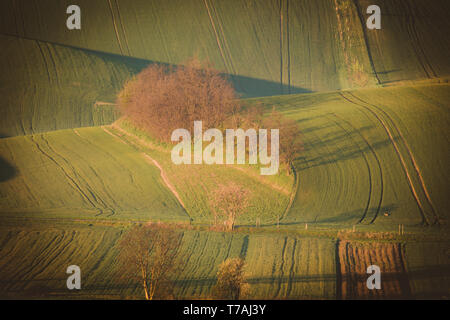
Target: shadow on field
7 171
247 87
335 144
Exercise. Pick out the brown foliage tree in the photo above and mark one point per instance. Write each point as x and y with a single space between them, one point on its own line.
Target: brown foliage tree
148 254
230 280
161 99
229 201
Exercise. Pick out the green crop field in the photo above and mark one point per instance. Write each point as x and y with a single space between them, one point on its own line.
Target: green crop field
372 151
46 86
82 173
33 262
34 258
269 198
370 186
100 173
267 47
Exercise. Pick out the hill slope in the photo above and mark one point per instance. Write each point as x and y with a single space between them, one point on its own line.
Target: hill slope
370 152
47 87
82 174
100 173
269 47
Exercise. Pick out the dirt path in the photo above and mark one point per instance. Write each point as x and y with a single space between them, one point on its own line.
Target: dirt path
150 160
165 179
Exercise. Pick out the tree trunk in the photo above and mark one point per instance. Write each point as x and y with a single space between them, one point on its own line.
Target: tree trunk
144 283
147 297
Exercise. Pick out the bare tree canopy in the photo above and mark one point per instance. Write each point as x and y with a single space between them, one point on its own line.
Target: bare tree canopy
161 99
231 280
148 254
229 202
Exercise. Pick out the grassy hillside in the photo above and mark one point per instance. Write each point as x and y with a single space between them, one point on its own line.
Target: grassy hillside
102 173
376 153
47 87
269 47
409 45
269 195
79 174
363 163
371 152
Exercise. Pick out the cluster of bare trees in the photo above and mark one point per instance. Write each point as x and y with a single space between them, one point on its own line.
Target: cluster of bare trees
291 144
161 99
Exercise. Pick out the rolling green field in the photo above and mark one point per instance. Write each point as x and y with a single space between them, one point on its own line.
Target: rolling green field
47 86
266 47
42 255
34 258
79 174
269 195
360 160
372 107
371 151
94 173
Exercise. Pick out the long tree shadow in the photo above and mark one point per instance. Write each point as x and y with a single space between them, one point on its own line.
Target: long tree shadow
335 146
7 171
247 87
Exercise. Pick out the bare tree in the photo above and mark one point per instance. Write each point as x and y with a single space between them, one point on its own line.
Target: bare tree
148 255
230 280
229 201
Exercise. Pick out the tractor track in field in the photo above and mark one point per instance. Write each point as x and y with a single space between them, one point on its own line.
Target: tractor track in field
411 156
225 42
281 45
100 202
372 150
45 61
280 277
50 55
288 49
115 27
369 107
417 47
55 253
216 34
123 29
369 171
105 189
165 179
291 269
366 210
69 177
